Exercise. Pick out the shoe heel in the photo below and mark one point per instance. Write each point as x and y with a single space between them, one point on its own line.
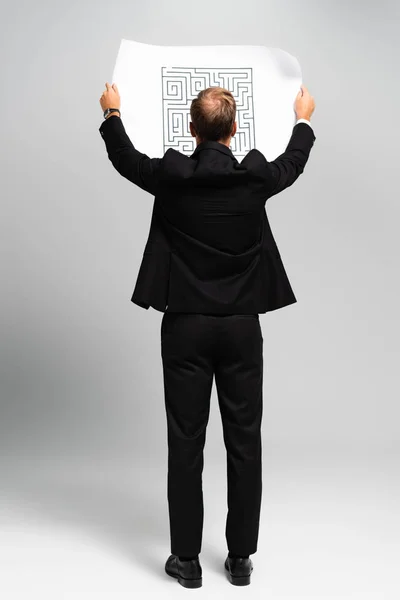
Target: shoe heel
191 583
245 580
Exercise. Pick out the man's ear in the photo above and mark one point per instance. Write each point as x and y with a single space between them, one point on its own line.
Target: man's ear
192 129
234 128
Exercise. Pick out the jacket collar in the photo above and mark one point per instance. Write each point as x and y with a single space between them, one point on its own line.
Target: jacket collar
209 144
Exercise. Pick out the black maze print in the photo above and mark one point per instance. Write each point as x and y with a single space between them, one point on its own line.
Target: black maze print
181 84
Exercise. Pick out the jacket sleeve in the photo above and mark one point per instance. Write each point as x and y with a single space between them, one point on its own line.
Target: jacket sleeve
282 172
127 160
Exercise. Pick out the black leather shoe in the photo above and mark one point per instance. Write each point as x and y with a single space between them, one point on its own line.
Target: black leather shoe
187 572
239 570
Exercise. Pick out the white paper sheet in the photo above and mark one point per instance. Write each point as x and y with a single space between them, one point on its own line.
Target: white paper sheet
158 83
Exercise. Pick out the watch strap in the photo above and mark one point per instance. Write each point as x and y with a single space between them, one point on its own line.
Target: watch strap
110 110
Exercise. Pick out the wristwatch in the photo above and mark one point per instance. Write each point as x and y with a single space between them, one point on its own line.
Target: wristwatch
110 110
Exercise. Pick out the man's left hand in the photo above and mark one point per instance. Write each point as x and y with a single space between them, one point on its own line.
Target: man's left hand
110 98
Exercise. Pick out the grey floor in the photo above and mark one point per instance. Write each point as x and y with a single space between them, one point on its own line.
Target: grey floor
330 528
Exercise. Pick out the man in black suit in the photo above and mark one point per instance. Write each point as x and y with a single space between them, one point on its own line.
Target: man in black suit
211 265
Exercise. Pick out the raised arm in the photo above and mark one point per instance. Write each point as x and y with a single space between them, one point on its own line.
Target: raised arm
127 160
282 172
288 166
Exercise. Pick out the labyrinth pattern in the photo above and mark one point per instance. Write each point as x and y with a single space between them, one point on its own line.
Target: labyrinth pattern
181 84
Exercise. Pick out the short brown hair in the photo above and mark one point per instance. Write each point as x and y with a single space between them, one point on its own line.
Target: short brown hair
213 113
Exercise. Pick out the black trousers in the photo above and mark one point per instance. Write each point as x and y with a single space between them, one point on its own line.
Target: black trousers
194 348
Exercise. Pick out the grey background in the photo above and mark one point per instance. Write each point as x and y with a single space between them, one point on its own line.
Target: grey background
82 422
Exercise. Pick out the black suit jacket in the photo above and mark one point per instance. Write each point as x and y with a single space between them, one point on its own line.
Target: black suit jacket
210 248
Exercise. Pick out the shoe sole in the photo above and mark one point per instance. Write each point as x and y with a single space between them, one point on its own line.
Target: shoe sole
187 583
242 580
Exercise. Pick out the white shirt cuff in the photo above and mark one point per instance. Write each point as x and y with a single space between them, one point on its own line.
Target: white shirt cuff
303 121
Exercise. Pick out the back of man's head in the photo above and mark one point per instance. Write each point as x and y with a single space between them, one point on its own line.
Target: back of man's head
213 114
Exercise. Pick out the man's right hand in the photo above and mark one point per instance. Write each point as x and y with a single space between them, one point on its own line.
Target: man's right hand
304 105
